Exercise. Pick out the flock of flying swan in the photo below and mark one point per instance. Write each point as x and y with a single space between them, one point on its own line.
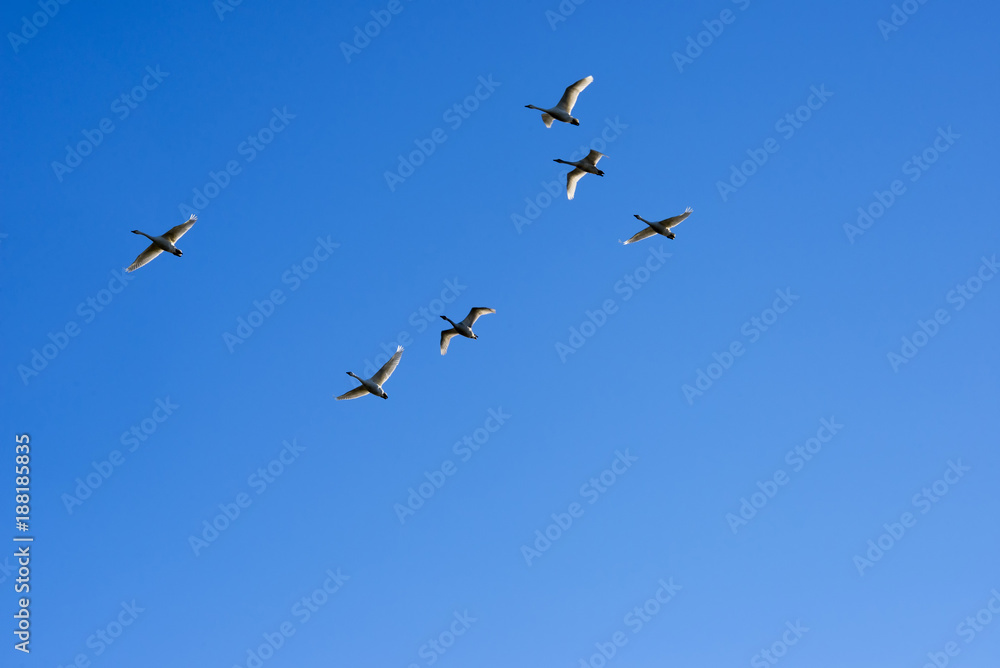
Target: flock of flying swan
562 112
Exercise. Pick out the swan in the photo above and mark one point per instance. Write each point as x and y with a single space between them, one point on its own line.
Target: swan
661 227
587 165
162 243
374 384
562 111
464 328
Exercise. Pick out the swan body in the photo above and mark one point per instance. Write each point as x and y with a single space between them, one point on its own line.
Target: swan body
563 111
658 227
374 384
162 243
463 328
586 166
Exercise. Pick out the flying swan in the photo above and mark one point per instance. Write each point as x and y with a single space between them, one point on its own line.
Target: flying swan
563 110
464 328
162 243
661 227
374 384
585 166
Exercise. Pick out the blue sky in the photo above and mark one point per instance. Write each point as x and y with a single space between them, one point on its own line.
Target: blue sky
709 430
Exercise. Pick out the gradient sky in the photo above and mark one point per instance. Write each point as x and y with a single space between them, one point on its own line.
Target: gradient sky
294 143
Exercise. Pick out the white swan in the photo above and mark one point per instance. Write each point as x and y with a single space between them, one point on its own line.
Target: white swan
563 110
660 227
585 166
374 384
162 243
464 328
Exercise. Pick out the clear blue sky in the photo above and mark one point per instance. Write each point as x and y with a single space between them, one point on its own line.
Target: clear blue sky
288 146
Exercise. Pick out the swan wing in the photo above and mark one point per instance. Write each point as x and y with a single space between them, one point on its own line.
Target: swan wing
383 374
670 222
547 120
640 235
175 233
594 156
354 394
571 180
475 314
446 337
573 92
145 257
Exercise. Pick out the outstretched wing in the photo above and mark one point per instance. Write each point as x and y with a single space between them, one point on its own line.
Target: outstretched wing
571 180
354 394
640 235
547 120
594 156
175 233
573 92
475 314
446 337
383 374
670 222
145 257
